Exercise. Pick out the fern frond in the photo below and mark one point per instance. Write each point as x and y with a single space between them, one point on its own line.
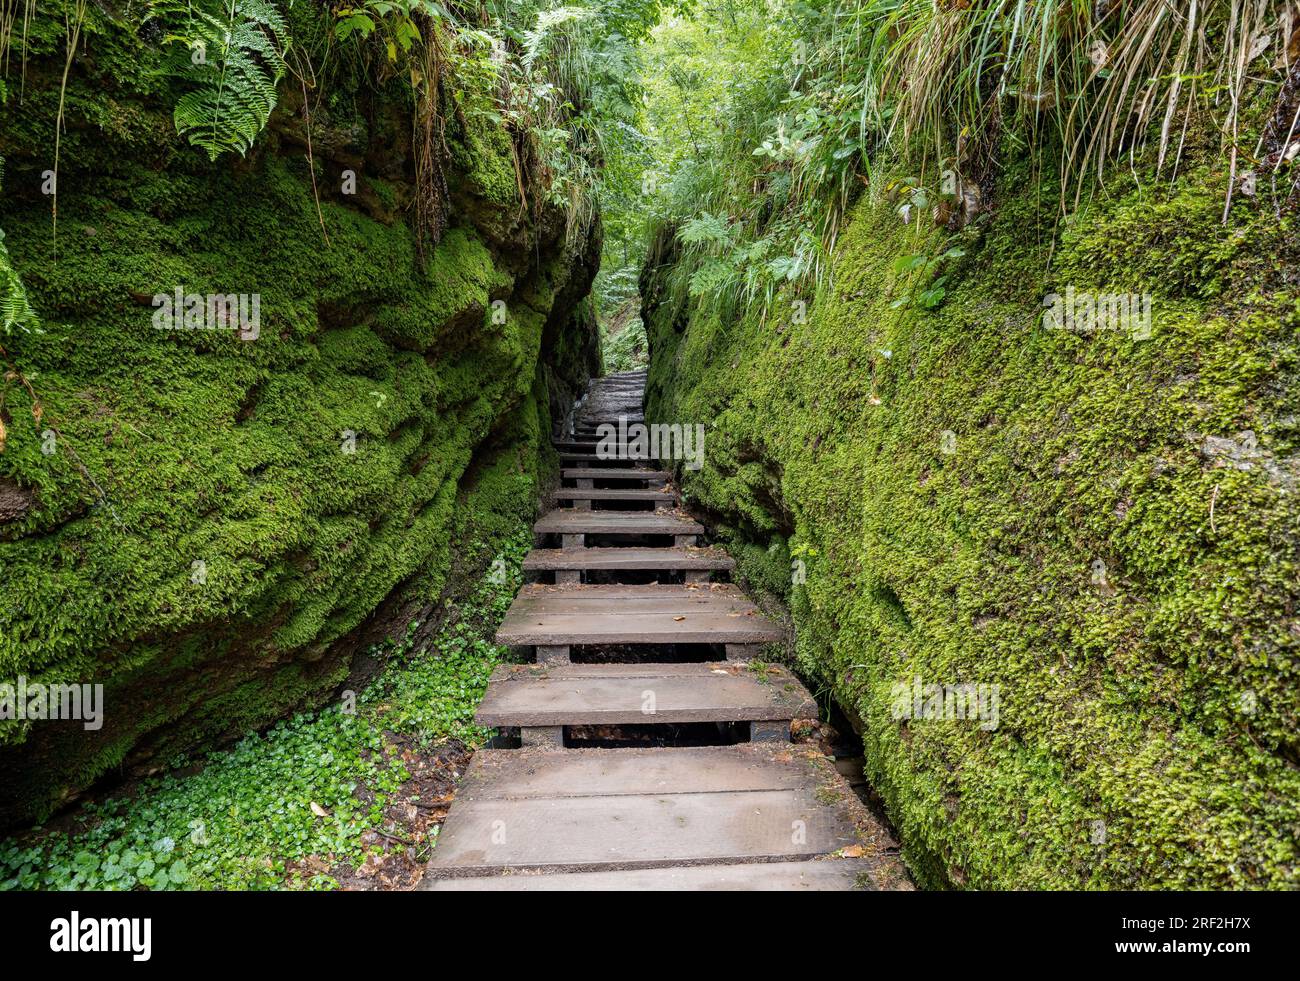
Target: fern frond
549 22
235 59
15 311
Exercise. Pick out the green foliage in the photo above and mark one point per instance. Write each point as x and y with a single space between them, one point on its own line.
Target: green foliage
15 310
396 16
1148 715
177 447
564 76
927 290
770 118
232 58
626 350
248 813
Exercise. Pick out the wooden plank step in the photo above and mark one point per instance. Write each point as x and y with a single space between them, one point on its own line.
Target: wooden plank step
582 772
646 598
619 473
586 433
591 446
613 494
525 628
809 875
644 808
566 522
612 462
568 629
656 614
621 694
698 559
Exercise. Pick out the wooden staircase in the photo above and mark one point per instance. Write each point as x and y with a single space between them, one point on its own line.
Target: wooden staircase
621 656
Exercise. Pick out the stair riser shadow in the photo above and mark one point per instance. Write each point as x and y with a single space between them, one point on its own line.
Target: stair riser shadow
665 735
612 540
612 504
647 653
633 577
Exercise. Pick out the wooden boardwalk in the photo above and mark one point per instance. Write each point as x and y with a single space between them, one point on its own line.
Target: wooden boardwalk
633 638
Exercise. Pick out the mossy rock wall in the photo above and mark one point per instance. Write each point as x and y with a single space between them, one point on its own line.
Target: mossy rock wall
218 525
1111 533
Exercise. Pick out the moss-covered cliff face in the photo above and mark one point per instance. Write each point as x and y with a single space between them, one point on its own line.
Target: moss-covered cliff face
213 527
1104 526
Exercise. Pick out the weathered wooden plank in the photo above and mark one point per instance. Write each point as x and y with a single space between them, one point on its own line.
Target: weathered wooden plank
556 696
562 522
811 875
612 494
540 598
499 773
673 604
652 614
636 628
621 415
595 427
593 446
592 458
614 473
653 829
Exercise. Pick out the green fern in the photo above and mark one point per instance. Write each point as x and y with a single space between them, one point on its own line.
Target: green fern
557 23
235 59
15 311
707 230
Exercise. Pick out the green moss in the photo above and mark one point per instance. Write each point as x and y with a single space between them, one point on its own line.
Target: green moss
218 514
249 816
487 158
1161 699
462 282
